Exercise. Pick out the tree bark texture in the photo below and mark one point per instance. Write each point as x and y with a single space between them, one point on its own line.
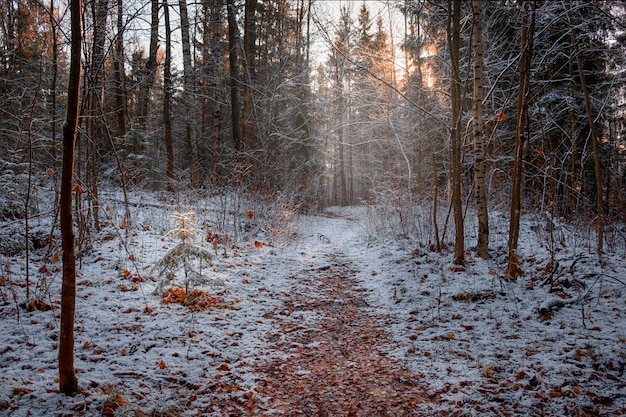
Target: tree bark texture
68 383
478 127
454 41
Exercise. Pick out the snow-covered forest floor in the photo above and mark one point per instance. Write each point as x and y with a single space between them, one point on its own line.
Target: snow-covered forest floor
552 343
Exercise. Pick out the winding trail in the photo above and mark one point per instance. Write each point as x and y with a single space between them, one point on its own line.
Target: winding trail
336 366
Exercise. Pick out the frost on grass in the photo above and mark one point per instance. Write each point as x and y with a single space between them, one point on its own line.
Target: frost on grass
188 257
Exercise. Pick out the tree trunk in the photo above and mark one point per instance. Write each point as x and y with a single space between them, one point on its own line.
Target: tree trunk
167 98
596 145
482 246
454 40
68 383
233 56
521 132
120 77
249 44
149 72
188 98
95 107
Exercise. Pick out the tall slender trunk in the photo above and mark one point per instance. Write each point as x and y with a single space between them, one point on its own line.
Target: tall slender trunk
217 73
68 383
233 56
95 109
149 71
521 132
249 44
482 246
454 41
596 145
53 87
188 97
118 69
167 98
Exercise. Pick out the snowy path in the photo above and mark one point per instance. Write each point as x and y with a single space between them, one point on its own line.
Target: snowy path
338 364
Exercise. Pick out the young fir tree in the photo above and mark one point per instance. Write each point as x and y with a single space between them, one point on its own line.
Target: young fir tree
187 255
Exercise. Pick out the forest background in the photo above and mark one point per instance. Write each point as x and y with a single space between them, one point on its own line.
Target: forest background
453 102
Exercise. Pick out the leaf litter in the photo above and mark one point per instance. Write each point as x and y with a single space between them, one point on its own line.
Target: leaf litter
338 322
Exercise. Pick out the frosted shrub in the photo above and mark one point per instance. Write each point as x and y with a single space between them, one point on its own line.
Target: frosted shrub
187 256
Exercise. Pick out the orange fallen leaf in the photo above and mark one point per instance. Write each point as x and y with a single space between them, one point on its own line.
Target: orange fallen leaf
258 244
162 364
223 367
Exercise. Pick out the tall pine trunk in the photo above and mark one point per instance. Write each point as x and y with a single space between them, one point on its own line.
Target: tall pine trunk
454 42
68 383
482 246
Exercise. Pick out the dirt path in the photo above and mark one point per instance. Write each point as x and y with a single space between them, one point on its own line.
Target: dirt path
336 366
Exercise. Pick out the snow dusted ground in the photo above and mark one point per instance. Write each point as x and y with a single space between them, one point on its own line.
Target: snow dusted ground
480 342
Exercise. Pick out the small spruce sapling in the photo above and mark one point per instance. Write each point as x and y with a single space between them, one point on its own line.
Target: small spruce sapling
186 255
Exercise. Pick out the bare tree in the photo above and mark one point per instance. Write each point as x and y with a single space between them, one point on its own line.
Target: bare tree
68 383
